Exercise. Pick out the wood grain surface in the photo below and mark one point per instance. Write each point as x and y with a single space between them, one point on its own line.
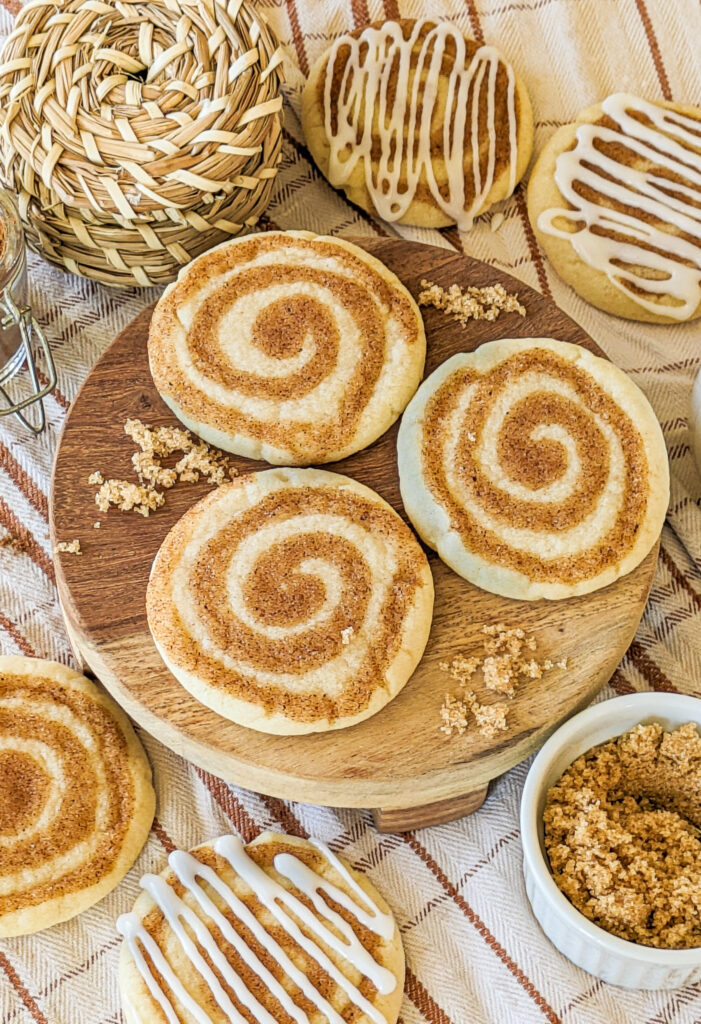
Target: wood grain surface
398 760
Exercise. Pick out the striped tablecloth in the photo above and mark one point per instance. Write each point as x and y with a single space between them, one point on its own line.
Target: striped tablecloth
475 953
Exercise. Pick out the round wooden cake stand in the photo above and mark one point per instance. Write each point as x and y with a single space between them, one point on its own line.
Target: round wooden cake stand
397 763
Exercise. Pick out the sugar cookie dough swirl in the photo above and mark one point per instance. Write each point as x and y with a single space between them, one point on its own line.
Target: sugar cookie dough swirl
288 347
291 601
76 801
418 123
616 201
534 468
293 934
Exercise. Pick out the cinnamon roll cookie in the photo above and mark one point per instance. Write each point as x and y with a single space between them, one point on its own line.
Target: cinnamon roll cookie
76 801
291 601
417 123
284 929
534 468
615 202
288 347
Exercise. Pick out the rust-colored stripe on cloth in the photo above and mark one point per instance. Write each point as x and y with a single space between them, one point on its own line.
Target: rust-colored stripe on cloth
620 684
23 481
27 540
477 922
655 51
22 991
422 1000
650 671
297 37
531 242
13 6
232 808
475 26
12 630
361 14
64 402
162 836
679 577
391 9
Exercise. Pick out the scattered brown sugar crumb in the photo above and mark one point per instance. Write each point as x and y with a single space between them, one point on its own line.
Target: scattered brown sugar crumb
70 547
505 659
490 718
150 471
127 496
471 303
205 461
622 835
157 443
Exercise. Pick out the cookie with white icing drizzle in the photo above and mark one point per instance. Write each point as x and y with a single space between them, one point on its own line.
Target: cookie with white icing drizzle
615 202
417 123
275 931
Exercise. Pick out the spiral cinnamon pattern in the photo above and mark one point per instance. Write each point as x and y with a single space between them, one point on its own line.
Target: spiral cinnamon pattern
291 601
534 468
76 801
287 347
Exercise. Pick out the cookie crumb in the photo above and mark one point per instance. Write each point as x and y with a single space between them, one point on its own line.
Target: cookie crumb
69 547
346 634
471 303
96 525
506 657
127 496
454 715
156 443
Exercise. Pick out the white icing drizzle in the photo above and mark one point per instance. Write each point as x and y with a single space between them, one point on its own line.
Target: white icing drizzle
672 143
184 922
404 126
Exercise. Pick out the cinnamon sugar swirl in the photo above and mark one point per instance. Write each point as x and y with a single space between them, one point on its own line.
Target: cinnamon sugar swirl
291 601
76 801
534 468
287 347
285 931
615 201
417 123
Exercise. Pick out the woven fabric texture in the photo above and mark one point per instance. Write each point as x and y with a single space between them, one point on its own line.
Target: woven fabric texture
475 953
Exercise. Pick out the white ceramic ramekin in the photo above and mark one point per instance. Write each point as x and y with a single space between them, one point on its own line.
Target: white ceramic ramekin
607 957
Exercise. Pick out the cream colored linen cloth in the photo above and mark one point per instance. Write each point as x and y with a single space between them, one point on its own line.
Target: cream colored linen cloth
475 953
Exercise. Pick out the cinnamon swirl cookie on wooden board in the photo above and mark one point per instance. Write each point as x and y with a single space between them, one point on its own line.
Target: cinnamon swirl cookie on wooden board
418 124
285 930
534 468
288 347
291 601
76 800
615 202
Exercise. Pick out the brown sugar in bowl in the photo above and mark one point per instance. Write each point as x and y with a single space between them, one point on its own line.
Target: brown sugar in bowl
616 960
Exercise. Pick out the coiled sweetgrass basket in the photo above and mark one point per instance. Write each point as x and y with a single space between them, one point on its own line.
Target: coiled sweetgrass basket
138 133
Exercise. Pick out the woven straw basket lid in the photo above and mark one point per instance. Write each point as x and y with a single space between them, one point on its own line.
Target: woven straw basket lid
138 134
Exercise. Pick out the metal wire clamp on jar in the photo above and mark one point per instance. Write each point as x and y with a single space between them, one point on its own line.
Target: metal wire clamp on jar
19 330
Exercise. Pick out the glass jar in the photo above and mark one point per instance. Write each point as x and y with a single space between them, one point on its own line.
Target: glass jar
19 331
